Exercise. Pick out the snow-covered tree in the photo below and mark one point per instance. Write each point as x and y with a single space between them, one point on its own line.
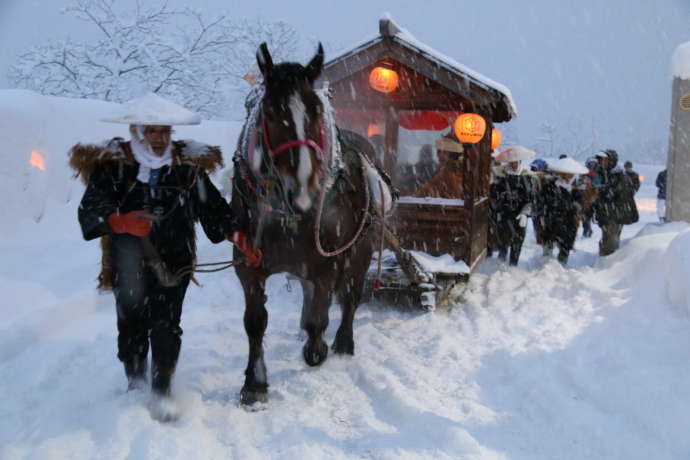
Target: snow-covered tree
197 61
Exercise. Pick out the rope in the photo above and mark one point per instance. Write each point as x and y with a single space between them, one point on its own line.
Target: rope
317 227
377 283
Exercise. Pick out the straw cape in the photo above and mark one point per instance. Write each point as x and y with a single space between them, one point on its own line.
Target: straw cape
150 109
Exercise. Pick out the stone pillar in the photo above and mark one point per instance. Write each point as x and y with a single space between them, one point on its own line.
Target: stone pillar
678 163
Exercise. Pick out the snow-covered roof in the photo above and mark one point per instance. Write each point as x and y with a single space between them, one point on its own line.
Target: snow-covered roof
680 62
399 35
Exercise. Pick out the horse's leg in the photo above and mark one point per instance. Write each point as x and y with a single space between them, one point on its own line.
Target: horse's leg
349 297
315 322
255 388
307 301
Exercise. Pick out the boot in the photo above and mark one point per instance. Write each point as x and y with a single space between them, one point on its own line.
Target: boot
162 406
161 378
135 370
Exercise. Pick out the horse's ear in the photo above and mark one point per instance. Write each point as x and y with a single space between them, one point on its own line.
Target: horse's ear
263 58
315 65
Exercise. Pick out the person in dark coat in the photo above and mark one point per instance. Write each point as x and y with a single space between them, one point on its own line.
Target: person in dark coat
512 196
634 177
492 240
539 169
661 196
585 183
559 204
615 204
142 199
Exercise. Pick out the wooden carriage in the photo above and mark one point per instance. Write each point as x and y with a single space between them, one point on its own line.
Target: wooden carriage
428 93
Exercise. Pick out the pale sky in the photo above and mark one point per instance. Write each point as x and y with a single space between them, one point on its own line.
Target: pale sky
603 64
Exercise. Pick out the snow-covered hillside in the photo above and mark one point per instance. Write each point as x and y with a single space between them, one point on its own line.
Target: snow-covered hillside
535 361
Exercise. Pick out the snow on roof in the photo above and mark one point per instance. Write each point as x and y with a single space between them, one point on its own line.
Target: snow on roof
680 62
403 37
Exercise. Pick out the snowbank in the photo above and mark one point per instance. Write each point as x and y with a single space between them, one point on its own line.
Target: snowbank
677 271
680 62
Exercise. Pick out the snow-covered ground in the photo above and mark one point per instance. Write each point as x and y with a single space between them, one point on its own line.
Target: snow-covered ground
535 361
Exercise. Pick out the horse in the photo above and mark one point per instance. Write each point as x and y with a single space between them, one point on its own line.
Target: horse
303 191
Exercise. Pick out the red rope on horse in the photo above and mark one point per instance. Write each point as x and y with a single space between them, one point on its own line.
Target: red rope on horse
317 227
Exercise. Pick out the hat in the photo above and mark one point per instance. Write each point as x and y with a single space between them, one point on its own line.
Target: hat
602 154
628 164
568 166
151 109
449 145
514 153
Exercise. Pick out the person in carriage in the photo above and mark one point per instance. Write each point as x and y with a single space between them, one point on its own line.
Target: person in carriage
559 205
446 182
142 198
512 196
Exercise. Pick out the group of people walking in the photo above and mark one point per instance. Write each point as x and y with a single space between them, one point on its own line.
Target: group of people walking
557 197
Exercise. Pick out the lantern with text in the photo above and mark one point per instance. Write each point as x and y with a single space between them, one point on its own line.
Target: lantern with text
469 128
495 139
383 78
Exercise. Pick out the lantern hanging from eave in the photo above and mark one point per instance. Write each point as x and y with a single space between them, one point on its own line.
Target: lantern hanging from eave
384 78
470 128
374 129
495 138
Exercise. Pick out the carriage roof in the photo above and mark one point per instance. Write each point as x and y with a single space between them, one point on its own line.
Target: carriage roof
434 81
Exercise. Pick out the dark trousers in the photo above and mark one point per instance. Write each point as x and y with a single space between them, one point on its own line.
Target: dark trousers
146 311
511 237
587 223
610 238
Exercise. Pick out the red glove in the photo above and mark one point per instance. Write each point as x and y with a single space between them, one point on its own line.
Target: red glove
130 223
252 257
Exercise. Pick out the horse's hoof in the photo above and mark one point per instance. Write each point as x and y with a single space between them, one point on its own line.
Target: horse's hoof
315 355
249 397
344 347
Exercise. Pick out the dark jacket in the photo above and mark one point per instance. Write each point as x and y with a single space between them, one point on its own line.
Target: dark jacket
661 185
634 179
615 202
511 193
183 195
509 196
558 209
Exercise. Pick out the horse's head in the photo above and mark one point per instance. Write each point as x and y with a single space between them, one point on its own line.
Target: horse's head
292 115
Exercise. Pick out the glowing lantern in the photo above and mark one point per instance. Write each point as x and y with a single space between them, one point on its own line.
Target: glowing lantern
37 160
383 79
469 128
374 129
495 139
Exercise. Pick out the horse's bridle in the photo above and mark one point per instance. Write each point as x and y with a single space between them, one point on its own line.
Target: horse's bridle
320 148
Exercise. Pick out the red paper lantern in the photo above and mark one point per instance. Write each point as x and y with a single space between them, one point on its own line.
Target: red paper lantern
383 79
495 138
470 128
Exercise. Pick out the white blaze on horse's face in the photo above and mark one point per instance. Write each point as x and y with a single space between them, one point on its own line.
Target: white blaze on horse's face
304 169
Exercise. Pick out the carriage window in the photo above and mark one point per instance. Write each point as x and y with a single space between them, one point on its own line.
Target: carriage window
431 168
